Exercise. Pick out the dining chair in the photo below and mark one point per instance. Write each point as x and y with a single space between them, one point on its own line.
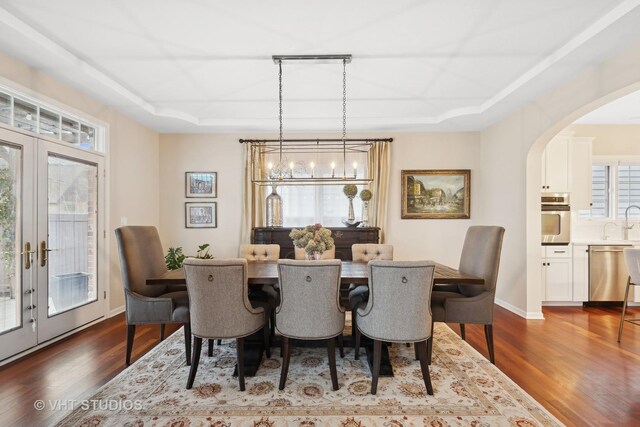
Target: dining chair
632 259
220 307
309 308
265 296
357 296
467 303
141 257
397 288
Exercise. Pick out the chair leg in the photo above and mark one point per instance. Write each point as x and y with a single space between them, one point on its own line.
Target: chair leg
408 344
240 361
162 331
331 350
488 333
210 349
377 356
272 325
341 345
286 355
267 335
430 346
197 347
219 342
624 310
131 333
462 331
187 341
357 344
424 366
415 351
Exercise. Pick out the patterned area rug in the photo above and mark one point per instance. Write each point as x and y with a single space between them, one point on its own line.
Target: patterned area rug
468 391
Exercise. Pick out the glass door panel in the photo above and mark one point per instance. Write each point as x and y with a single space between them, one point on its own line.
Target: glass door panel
17 280
72 224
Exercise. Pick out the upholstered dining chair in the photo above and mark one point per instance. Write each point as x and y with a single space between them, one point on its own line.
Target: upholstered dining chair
142 257
265 296
310 308
632 259
220 306
467 303
357 296
397 288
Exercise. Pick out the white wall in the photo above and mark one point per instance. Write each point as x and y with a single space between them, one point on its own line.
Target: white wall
511 154
611 140
133 189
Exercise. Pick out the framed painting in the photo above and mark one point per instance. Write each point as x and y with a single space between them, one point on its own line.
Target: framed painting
201 215
436 194
201 184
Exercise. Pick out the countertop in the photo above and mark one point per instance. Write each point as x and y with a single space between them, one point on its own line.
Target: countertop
586 242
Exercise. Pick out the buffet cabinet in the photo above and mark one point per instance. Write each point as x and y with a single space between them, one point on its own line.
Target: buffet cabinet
343 238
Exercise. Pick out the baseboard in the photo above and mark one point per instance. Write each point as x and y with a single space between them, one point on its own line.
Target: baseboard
116 311
562 304
529 315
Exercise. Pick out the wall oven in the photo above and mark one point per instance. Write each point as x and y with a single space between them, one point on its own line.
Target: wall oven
556 219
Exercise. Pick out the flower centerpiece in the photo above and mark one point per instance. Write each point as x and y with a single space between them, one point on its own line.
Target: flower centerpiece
314 239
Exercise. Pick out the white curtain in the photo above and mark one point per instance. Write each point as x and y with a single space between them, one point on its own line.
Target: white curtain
379 166
253 199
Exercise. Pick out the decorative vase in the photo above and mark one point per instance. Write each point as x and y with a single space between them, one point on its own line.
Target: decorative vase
352 217
274 208
365 213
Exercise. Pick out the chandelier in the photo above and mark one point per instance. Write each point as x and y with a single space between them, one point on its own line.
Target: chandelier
319 161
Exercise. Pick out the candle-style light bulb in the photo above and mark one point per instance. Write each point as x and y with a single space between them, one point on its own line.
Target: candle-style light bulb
312 165
291 168
333 169
355 169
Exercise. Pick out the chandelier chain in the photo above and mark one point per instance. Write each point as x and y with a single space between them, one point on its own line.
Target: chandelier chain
344 99
280 103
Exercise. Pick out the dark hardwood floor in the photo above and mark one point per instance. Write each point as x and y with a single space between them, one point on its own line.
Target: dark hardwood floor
570 362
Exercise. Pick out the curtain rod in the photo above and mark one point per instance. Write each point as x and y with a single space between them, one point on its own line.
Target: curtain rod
251 141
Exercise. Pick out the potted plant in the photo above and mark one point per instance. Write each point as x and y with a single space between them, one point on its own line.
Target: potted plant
312 241
174 257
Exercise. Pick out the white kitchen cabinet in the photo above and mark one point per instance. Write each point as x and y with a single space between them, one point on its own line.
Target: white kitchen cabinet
555 164
581 273
557 283
580 173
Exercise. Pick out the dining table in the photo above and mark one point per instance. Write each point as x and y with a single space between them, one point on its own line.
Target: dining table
266 273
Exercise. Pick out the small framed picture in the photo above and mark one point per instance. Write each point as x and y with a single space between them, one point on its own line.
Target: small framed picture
201 184
201 215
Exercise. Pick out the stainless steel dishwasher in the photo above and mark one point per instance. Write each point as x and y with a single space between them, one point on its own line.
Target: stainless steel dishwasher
608 272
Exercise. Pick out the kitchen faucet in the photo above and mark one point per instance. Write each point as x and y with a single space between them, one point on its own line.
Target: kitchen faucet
626 227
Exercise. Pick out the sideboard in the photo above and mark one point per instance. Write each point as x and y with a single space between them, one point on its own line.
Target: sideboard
343 237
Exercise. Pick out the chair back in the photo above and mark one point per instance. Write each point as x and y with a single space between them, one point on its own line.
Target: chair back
481 257
365 252
141 257
218 298
254 253
399 306
309 292
632 259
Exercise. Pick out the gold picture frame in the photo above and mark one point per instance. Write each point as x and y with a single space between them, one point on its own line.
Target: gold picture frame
436 194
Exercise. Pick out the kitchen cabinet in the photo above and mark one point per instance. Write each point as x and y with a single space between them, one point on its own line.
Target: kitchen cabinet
557 273
580 273
580 173
555 164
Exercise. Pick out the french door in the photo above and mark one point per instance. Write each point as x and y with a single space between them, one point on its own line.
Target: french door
51 237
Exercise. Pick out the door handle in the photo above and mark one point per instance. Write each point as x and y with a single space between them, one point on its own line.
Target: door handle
27 255
43 253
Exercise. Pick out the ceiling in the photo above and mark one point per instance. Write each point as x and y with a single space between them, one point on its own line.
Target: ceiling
204 66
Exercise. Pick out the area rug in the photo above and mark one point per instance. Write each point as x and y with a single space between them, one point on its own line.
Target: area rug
468 390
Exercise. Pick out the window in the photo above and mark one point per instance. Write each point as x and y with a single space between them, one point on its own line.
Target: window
614 187
310 204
